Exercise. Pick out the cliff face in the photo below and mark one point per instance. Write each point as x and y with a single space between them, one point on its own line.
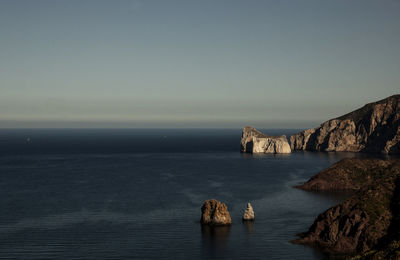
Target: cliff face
367 220
253 141
372 128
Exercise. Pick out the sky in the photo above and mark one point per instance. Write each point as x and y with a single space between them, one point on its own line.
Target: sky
145 63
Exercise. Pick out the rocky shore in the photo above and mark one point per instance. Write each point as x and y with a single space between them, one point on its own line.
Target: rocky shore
368 222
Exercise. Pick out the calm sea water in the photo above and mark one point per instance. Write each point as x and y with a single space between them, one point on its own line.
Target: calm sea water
137 194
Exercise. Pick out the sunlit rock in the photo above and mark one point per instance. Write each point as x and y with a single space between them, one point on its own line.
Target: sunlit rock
253 141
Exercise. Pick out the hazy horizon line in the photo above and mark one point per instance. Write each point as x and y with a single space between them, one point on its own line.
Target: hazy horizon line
30 124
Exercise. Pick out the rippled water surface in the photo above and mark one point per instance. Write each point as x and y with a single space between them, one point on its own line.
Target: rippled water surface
126 194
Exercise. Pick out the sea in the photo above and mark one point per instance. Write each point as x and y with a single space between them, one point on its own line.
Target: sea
137 194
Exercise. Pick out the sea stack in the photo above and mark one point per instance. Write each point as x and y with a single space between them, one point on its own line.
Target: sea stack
215 213
253 141
373 128
248 213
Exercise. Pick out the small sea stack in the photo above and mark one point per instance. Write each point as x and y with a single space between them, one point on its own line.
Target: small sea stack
248 214
215 213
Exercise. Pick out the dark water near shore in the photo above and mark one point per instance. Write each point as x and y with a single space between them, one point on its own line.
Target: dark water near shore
124 194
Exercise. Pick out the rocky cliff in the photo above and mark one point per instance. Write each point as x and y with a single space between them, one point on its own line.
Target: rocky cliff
367 220
347 174
253 141
372 128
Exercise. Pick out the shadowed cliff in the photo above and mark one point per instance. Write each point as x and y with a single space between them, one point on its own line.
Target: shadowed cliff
368 220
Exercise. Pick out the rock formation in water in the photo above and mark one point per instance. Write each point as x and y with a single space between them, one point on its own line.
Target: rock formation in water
248 212
367 220
253 141
372 128
215 213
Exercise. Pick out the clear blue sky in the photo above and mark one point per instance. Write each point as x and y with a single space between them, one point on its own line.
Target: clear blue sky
147 63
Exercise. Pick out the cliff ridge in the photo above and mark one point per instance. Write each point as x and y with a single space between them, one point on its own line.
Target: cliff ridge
372 128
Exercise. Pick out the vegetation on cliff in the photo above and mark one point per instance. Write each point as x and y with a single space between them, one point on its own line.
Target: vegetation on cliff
348 174
368 220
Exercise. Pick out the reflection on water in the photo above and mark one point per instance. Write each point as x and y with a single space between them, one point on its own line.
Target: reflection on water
261 155
214 240
336 156
248 226
331 156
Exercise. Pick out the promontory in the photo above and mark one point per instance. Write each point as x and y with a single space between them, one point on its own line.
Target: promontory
373 128
368 222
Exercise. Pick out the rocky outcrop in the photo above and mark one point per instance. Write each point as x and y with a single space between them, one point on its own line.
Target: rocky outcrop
372 128
253 141
215 213
347 174
248 213
365 221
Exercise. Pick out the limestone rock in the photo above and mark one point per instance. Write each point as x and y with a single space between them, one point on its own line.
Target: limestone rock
372 128
253 141
248 213
215 213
